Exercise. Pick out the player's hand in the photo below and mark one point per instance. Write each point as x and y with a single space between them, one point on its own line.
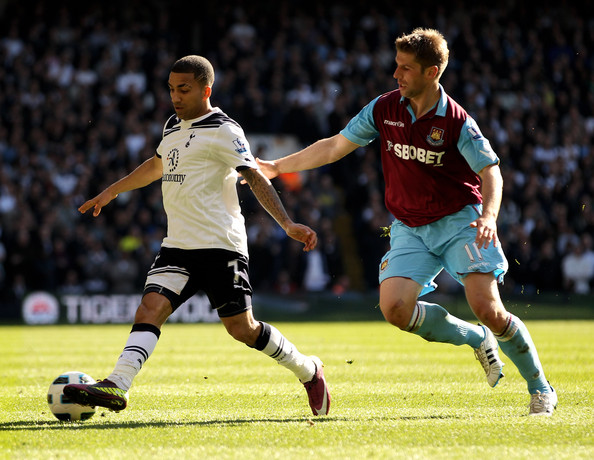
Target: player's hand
268 168
98 202
304 234
486 231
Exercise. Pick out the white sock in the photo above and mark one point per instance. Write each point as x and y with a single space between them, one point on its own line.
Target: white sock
140 345
272 343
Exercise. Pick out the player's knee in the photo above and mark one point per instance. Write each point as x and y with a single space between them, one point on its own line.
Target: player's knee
397 313
153 309
491 314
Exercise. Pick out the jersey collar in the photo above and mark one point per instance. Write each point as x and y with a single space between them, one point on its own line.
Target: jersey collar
200 118
440 106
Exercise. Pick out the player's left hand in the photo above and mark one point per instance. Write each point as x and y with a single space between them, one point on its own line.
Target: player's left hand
304 234
486 231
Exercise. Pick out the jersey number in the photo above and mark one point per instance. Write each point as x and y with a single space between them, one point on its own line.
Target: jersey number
235 265
477 252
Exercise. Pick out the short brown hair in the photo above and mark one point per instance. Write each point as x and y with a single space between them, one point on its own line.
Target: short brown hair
199 66
428 46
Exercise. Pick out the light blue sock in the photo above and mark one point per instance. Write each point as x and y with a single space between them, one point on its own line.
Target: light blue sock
516 343
433 323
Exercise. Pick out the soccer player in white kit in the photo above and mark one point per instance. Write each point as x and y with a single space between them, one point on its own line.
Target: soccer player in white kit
198 161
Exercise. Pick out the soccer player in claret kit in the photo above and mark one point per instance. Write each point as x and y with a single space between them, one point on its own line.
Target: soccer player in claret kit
198 161
443 185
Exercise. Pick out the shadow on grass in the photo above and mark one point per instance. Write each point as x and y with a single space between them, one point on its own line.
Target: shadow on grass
24 425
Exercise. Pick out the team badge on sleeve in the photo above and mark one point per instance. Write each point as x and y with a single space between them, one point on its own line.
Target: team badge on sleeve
474 130
239 146
475 133
484 146
435 137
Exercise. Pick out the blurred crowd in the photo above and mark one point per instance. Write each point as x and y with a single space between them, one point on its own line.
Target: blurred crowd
83 99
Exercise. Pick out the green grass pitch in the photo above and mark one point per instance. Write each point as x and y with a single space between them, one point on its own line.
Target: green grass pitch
203 395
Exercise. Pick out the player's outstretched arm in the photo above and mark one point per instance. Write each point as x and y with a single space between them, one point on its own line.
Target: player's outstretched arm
146 173
318 154
268 198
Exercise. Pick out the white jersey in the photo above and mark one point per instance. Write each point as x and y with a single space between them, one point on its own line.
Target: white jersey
200 160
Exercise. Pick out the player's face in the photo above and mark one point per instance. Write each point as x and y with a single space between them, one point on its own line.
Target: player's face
412 80
189 97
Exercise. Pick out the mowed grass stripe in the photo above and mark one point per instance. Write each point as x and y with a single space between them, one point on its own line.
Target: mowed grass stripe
203 395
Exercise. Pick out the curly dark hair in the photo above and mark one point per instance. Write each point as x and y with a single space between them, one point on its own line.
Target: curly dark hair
198 65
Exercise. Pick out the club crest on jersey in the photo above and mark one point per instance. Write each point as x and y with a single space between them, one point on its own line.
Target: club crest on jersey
384 265
435 137
192 136
172 159
239 146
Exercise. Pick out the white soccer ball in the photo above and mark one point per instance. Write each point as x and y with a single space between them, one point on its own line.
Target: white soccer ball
60 405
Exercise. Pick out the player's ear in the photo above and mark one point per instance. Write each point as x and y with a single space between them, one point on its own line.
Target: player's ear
207 92
432 71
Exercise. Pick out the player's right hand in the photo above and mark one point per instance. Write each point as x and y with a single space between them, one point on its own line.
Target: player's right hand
97 203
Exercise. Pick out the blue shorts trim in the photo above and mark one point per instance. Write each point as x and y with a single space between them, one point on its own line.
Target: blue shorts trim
420 253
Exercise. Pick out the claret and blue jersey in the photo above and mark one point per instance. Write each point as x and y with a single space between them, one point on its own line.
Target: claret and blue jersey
430 164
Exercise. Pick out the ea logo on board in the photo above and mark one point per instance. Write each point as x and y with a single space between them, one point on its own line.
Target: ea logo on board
40 308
